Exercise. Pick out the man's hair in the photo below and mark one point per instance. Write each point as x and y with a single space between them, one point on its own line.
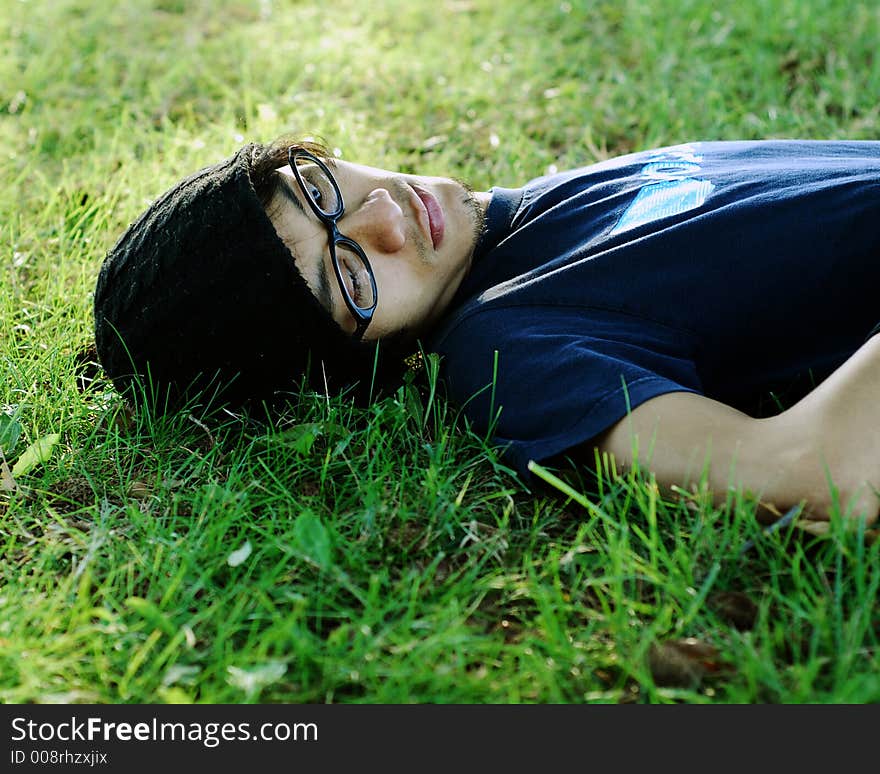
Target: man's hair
200 301
266 159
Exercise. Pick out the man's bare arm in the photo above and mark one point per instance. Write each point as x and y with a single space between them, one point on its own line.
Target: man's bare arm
831 436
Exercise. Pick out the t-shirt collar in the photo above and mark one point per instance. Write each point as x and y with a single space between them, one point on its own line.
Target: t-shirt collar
499 216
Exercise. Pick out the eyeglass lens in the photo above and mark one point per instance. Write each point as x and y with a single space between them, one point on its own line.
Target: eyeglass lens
355 276
319 187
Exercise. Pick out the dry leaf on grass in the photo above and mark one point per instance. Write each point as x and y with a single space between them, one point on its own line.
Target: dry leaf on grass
7 480
684 663
735 608
823 529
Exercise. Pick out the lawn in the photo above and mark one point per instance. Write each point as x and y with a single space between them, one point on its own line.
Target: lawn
384 554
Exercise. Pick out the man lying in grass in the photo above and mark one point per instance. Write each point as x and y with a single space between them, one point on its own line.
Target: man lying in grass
640 306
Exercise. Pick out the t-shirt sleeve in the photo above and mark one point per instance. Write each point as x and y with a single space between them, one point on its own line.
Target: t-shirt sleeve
543 380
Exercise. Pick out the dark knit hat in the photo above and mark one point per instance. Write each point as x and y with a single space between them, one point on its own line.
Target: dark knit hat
200 299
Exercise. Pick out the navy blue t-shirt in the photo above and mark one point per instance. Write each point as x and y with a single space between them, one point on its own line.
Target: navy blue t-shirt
728 269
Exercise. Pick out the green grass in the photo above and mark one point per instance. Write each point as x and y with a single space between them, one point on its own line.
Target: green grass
387 554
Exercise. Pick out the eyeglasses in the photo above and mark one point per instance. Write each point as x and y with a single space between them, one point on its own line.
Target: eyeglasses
353 270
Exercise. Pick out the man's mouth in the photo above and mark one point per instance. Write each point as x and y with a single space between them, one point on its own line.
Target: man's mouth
431 216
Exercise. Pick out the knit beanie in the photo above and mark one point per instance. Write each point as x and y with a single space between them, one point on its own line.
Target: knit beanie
201 300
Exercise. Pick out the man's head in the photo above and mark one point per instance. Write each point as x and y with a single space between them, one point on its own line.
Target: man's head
227 283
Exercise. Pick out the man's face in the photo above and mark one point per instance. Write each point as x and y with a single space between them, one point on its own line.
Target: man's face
417 232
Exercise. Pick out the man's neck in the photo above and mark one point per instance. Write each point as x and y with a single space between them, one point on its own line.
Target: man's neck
483 198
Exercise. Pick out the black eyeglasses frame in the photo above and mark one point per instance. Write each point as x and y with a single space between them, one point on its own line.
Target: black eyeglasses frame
362 315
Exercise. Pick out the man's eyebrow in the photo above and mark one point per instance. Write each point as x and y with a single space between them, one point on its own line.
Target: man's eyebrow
325 297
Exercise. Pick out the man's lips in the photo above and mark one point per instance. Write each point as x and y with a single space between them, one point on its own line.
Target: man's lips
433 221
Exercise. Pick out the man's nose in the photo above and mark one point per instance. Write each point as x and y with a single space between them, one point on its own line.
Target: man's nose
378 222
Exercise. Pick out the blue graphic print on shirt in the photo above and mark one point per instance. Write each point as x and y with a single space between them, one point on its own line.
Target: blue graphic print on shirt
670 190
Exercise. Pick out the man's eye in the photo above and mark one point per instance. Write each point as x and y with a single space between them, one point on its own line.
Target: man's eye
314 184
355 291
